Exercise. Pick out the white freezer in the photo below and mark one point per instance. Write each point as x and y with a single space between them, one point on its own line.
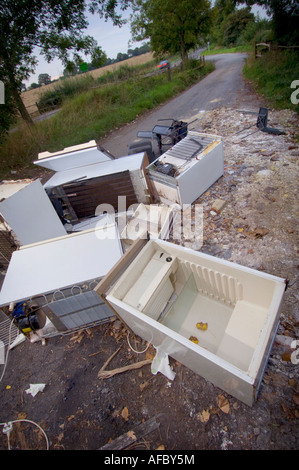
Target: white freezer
163 292
60 263
84 191
95 170
30 214
153 219
72 157
187 170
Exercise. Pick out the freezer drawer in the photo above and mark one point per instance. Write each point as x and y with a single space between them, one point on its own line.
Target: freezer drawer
216 317
187 170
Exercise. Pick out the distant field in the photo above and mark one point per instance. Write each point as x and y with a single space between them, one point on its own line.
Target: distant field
30 97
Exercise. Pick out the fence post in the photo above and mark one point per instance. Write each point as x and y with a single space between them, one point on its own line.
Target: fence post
169 73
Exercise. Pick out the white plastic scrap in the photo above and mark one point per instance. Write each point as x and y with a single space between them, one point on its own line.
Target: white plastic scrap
161 364
35 388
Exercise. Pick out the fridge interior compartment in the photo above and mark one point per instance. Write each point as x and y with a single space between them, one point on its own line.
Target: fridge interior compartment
184 295
153 219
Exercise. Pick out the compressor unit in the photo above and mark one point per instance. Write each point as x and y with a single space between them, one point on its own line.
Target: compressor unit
28 318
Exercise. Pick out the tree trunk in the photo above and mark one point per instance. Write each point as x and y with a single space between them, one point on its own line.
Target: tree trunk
184 54
21 107
16 95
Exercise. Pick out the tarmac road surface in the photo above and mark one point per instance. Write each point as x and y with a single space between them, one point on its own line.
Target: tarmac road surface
223 87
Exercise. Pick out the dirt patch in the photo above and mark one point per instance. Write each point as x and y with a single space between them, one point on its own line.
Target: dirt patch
255 225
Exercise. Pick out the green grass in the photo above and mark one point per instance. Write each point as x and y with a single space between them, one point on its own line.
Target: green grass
220 50
272 75
92 114
70 87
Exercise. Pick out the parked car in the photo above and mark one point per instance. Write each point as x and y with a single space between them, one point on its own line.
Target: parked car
164 64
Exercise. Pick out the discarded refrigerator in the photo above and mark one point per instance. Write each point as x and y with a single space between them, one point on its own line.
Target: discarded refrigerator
216 317
28 212
73 157
152 219
58 276
186 170
87 179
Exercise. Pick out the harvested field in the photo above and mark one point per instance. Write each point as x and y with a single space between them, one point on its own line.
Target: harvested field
30 97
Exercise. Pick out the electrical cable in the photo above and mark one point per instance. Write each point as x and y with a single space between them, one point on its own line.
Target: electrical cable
8 428
134 350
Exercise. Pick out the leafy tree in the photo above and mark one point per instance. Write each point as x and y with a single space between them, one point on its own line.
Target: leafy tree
235 24
221 10
285 18
98 57
55 26
139 50
44 79
121 56
70 69
172 26
257 31
34 85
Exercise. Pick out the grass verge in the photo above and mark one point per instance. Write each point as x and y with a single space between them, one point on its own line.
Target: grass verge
72 86
228 50
92 114
272 75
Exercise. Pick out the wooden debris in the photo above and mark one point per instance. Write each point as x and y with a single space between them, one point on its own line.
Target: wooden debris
109 360
105 374
132 436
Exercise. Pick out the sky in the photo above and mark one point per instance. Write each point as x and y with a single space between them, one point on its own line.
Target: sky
112 40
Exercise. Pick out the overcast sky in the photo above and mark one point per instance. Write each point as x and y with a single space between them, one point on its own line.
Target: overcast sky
112 40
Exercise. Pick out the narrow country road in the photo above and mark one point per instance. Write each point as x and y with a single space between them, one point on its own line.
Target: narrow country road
223 87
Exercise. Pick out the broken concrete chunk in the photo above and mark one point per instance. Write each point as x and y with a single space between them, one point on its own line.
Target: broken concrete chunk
218 205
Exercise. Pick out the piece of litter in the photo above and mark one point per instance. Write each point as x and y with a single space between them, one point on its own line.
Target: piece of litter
193 339
35 388
202 326
161 364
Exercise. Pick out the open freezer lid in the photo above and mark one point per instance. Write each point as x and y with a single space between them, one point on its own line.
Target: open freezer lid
61 262
127 163
72 157
30 214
